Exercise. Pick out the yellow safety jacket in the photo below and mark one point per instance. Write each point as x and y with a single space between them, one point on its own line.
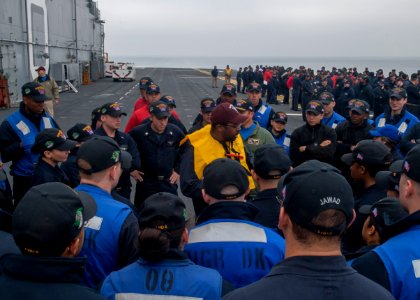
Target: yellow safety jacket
207 149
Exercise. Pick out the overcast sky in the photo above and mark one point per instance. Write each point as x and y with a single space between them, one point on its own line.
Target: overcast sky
366 28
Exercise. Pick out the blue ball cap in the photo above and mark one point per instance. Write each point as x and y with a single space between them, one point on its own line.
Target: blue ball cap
389 131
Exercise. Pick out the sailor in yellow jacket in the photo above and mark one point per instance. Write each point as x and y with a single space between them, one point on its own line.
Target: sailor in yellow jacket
217 140
228 74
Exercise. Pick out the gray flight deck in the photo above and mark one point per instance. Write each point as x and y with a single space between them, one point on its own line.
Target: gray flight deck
186 86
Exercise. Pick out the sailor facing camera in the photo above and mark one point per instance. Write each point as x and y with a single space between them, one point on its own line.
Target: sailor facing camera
79 133
111 114
313 140
220 139
17 135
278 130
226 238
158 145
54 148
398 115
163 268
331 118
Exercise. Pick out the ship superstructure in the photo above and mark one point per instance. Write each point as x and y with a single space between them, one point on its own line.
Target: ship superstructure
64 36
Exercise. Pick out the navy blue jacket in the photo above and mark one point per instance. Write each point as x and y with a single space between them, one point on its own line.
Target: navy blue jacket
365 92
44 173
312 277
342 97
311 137
39 278
159 153
411 138
268 208
7 243
413 94
352 239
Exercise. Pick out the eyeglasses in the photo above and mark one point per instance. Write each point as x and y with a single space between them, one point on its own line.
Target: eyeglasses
236 127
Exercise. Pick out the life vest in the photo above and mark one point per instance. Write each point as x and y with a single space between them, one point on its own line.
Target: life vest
207 149
102 235
242 251
283 141
401 258
407 121
27 131
333 121
262 115
182 278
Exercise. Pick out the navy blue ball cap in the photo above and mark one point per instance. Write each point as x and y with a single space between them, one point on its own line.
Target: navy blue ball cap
160 109
385 214
254 87
168 100
35 91
369 152
243 105
229 88
410 165
49 217
315 107
144 82
326 98
207 105
112 109
314 187
163 211
100 153
398 93
271 161
280 117
224 172
152 88
50 139
80 132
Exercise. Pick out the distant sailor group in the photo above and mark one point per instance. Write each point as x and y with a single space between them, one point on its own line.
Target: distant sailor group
329 210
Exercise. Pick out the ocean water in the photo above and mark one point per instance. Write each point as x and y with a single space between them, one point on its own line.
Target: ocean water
406 64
